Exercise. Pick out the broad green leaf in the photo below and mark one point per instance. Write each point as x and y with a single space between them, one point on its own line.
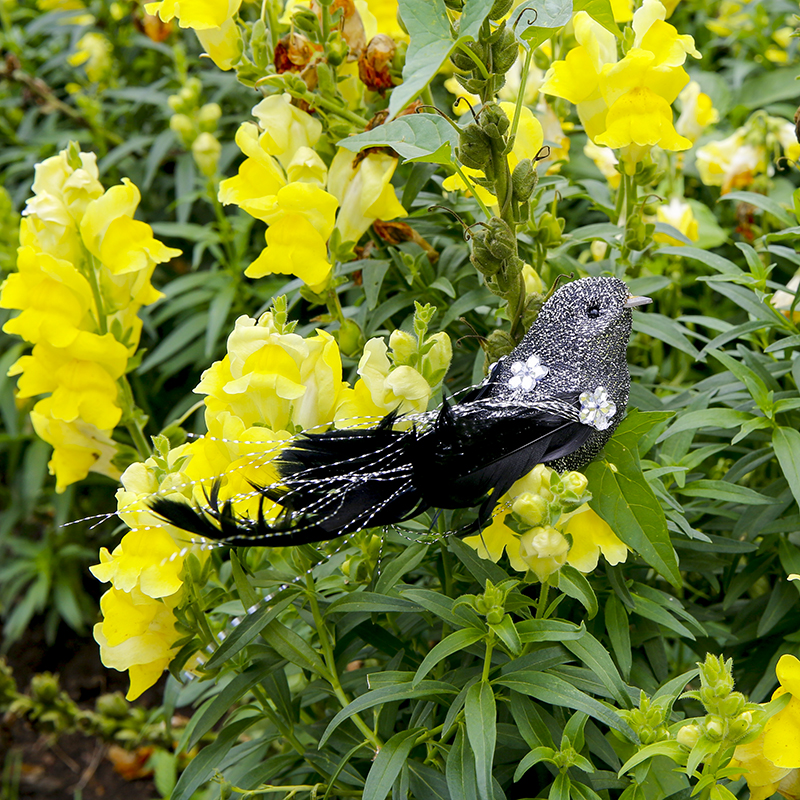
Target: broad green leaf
415 137
548 688
764 88
786 442
293 647
481 718
388 763
622 496
763 202
600 11
548 630
507 632
387 694
574 584
431 42
451 644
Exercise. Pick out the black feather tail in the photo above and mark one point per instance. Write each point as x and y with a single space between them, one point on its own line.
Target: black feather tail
331 484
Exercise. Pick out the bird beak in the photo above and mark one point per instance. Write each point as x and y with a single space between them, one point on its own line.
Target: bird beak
634 301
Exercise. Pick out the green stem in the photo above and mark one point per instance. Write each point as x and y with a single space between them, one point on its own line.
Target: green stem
471 188
541 606
487 660
334 305
286 731
523 80
224 225
478 63
330 663
334 108
91 274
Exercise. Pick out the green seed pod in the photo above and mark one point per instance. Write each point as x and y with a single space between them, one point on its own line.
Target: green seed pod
505 51
500 239
494 122
550 229
499 9
500 343
533 305
351 340
474 148
524 180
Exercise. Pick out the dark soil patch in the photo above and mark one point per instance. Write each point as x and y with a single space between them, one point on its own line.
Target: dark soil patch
32 765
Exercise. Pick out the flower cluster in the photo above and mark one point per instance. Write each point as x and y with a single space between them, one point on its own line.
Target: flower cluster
84 269
545 509
284 182
625 104
738 160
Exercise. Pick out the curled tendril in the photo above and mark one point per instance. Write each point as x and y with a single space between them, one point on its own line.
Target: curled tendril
528 22
646 198
542 154
786 160
552 290
467 234
473 335
472 110
441 113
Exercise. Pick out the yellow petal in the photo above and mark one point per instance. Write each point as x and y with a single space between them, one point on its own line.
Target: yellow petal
782 733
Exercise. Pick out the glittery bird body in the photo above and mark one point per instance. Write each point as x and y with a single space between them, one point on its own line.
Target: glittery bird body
556 399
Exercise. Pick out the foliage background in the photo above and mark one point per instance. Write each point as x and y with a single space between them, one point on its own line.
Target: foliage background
725 467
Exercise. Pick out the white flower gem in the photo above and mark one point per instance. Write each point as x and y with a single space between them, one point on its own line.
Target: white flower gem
597 409
527 374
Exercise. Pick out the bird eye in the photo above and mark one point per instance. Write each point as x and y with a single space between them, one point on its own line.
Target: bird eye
593 312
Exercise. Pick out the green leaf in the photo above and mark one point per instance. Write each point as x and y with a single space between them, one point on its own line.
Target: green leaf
786 442
670 748
388 763
653 611
560 787
507 632
205 720
762 201
574 584
293 647
706 418
481 718
600 11
431 42
460 769
548 688
548 630
666 330
531 759
622 496
764 88
415 137
245 632
392 571
596 657
387 694
371 602
450 644
726 492
618 628
442 606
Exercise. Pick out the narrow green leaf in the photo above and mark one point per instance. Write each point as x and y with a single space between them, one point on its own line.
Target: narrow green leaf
653 611
399 566
531 759
388 763
548 630
371 602
666 330
726 492
451 644
460 769
707 418
574 584
671 749
507 632
596 657
481 719
293 647
786 442
559 790
618 628
763 202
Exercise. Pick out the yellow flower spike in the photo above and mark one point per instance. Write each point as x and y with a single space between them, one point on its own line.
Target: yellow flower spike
638 70
364 192
223 45
148 560
53 296
259 175
592 536
782 731
677 213
197 14
78 447
137 634
286 127
641 117
544 550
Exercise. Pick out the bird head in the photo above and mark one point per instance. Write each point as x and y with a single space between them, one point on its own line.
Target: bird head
587 315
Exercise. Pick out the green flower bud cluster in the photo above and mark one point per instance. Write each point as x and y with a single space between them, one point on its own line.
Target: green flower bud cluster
492 603
50 709
429 355
195 126
361 567
730 719
496 50
638 234
649 721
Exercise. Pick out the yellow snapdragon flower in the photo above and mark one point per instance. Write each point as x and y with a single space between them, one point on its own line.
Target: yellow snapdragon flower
697 112
94 53
364 191
677 213
197 14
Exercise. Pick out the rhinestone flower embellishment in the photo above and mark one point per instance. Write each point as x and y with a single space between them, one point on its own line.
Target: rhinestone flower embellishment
597 409
526 374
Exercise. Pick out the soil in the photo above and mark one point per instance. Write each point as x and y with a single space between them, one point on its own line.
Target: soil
32 766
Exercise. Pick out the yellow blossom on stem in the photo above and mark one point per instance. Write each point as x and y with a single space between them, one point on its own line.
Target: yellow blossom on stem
197 14
364 192
223 45
592 536
697 112
677 213
286 128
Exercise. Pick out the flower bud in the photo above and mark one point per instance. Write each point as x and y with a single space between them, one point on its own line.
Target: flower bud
575 482
505 51
112 705
688 736
741 726
182 127
306 20
532 509
436 361
351 339
714 727
550 229
494 122
544 550
206 150
732 705
208 117
474 150
404 347
523 180
336 51
499 9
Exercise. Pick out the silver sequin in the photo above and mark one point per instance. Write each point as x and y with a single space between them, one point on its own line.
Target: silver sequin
597 409
526 374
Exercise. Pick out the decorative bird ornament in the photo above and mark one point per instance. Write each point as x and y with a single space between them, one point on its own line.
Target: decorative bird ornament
555 399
